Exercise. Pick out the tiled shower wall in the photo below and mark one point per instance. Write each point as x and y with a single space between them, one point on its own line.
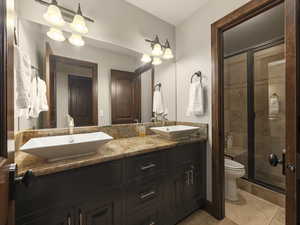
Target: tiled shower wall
269 78
235 107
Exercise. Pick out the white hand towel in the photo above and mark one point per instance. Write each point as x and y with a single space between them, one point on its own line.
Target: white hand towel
22 81
274 105
196 100
38 97
158 106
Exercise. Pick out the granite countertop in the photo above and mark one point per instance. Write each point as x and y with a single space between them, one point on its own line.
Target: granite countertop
113 150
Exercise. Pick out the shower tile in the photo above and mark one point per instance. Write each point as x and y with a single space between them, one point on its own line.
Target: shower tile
262 192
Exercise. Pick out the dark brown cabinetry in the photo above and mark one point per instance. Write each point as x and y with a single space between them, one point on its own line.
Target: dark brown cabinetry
151 189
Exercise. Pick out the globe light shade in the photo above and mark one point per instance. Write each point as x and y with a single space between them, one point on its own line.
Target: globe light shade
156 61
76 40
146 58
157 50
53 16
168 54
56 34
78 25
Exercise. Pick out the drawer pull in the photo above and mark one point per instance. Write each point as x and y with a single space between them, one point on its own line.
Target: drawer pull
69 219
80 218
149 166
147 195
152 223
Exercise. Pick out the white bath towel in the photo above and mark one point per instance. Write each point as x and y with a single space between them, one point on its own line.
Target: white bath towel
196 100
22 72
158 106
274 105
38 97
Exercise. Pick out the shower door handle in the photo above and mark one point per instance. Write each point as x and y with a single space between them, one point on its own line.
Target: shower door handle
274 161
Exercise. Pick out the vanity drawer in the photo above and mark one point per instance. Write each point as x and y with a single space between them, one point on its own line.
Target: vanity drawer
145 165
144 217
144 194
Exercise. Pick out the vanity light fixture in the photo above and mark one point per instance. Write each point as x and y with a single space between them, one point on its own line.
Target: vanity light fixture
76 40
78 25
56 34
168 54
156 61
146 58
158 50
53 15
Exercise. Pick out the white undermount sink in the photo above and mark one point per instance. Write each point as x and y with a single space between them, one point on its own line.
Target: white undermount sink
54 148
175 132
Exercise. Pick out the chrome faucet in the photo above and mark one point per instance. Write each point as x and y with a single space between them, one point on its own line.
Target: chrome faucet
162 117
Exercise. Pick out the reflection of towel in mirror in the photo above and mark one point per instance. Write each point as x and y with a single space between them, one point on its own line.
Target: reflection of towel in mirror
196 100
23 74
158 106
38 97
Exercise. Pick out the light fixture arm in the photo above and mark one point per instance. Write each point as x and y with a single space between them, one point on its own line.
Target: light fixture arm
65 10
156 41
79 10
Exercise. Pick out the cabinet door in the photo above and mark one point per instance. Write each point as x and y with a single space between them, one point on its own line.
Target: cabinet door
193 188
58 216
99 213
175 196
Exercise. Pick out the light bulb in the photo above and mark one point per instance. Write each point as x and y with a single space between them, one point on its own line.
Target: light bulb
76 40
78 23
53 16
157 50
156 61
146 58
56 34
168 54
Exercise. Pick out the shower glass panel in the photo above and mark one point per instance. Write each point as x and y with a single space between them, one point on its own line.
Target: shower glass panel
235 108
269 108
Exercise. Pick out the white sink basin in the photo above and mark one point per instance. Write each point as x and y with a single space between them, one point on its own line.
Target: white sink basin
175 132
54 148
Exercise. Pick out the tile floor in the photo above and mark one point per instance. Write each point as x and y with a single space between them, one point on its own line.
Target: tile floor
250 210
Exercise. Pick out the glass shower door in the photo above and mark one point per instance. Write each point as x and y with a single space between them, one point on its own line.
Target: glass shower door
269 113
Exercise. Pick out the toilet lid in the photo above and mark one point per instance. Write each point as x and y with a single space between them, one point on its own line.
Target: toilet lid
233 165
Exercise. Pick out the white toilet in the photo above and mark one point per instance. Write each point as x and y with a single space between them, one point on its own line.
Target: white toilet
233 171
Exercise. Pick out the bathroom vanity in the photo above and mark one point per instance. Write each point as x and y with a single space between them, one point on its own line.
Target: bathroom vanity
138 181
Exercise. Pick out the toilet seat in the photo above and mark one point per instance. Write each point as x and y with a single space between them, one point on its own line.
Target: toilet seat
232 165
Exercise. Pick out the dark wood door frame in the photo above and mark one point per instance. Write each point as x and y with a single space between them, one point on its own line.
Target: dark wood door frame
238 16
144 68
54 59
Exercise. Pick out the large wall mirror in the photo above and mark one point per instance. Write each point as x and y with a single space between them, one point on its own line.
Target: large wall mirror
96 84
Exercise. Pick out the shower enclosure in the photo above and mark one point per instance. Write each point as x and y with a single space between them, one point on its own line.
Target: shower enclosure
254 111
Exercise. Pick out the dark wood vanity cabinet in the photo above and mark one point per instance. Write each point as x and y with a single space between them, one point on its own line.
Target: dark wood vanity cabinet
158 188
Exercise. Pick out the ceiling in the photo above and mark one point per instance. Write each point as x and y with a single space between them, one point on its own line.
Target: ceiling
171 11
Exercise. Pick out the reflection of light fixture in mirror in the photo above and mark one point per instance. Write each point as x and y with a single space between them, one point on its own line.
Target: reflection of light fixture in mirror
56 34
156 47
78 23
76 40
156 61
146 58
168 54
53 15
